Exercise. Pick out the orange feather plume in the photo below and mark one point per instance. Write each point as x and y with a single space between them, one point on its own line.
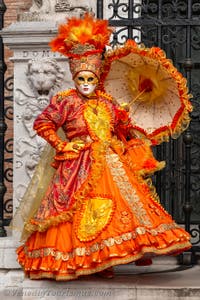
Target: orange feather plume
81 32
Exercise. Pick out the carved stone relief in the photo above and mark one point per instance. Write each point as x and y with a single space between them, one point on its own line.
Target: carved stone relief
42 6
44 77
62 5
43 10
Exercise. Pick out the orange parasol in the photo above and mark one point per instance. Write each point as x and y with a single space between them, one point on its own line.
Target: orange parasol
153 89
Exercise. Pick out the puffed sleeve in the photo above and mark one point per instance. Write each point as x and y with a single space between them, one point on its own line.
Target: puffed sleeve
52 118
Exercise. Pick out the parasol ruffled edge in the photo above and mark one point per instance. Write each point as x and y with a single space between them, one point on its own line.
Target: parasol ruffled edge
181 119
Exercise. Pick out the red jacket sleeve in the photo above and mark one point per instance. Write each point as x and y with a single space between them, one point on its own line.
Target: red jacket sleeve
48 122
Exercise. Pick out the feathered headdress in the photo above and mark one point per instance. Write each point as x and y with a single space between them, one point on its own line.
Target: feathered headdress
83 40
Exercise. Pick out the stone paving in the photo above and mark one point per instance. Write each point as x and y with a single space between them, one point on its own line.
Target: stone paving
157 282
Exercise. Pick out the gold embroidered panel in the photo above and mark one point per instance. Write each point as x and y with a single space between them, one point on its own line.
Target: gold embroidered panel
96 214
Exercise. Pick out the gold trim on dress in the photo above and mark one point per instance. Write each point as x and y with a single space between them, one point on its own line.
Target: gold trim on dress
68 275
111 241
126 189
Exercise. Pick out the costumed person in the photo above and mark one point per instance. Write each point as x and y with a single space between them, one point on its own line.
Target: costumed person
97 207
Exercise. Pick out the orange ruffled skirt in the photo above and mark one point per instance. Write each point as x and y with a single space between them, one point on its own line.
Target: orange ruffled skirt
119 223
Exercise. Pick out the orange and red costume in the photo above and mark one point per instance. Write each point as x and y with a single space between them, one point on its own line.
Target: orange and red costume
99 209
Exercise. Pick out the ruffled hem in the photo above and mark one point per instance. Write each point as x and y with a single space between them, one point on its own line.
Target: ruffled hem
63 275
51 263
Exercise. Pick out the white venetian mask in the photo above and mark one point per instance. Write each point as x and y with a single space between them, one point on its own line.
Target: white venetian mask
86 82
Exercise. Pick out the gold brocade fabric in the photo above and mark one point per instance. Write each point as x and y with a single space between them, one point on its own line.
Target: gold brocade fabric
95 217
98 119
127 190
97 211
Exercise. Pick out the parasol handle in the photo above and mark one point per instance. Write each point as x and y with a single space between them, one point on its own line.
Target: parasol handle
138 96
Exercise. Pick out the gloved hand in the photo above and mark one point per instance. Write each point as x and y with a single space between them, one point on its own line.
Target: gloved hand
125 106
74 146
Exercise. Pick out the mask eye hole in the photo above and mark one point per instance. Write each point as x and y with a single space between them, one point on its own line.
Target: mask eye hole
80 78
90 79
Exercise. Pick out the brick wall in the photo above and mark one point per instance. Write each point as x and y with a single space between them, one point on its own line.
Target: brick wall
11 15
14 7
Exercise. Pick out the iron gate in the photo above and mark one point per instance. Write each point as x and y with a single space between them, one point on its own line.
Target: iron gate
173 25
